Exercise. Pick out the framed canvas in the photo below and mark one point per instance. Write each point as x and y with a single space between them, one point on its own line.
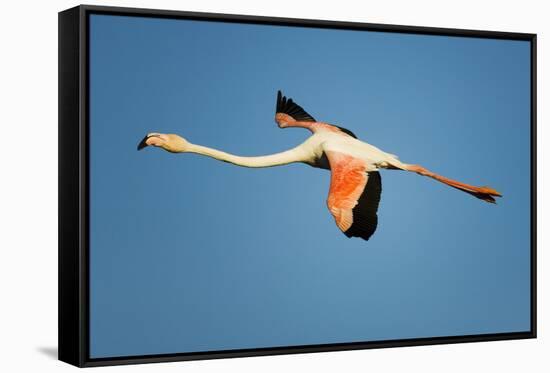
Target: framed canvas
238 186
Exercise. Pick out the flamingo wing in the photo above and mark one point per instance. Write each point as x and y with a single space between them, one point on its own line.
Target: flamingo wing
354 195
289 107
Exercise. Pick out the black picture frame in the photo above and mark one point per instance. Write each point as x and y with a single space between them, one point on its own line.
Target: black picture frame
74 185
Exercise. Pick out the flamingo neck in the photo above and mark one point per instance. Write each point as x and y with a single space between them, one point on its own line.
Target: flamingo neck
277 159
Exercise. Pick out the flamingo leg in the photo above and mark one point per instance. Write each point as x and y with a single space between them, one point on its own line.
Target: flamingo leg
484 192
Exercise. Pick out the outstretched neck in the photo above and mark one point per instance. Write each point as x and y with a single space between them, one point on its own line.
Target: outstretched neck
290 156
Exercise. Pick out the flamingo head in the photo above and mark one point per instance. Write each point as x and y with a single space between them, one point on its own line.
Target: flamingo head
169 142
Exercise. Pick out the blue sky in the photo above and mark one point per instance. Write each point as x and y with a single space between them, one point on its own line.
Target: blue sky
191 254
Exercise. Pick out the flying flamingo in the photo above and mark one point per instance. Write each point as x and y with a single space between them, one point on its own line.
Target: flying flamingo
355 184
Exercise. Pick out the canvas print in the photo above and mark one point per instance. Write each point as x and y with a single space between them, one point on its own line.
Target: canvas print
225 233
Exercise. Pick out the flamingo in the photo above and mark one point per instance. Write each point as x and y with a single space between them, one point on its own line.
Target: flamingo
355 182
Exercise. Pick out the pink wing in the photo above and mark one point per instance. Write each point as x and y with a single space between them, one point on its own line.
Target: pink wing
354 195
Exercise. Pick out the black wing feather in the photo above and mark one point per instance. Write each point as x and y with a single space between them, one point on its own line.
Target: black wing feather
291 108
288 106
346 131
365 217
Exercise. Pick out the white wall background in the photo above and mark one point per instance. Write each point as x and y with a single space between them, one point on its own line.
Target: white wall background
28 184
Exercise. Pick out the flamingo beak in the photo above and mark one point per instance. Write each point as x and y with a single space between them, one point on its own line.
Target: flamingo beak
149 139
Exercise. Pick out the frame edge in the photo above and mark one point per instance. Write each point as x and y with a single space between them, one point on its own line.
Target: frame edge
534 279
308 22
70 330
